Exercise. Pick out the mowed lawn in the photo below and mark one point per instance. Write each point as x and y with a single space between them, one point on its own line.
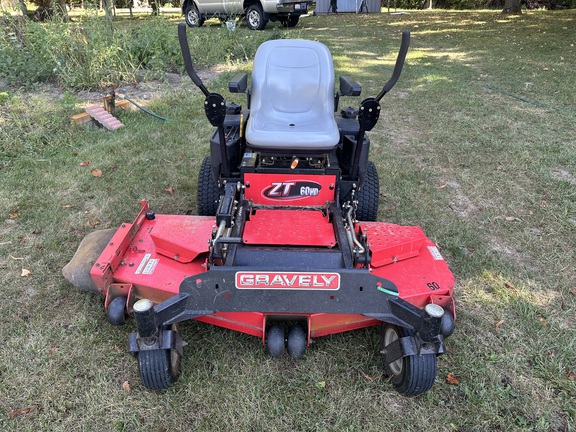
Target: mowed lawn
476 144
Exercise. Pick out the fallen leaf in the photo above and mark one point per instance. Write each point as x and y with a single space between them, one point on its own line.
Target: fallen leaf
126 386
67 206
511 218
85 163
572 291
170 190
367 377
16 258
572 376
97 173
25 273
321 384
118 350
15 213
498 324
443 186
451 379
20 411
92 224
545 69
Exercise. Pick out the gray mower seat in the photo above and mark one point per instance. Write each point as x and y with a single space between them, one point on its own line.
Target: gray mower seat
292 103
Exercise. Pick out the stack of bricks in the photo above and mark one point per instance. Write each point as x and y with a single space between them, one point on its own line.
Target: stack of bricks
103 117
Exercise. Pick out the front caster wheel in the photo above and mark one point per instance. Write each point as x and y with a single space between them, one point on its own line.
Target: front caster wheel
159 368
410 375
116 312
297 339
275 340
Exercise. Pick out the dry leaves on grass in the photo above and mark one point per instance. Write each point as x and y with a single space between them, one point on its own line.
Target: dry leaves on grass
83 164
451 379
20 411
25 272
170 190
126 386
15 213
97 172
498 324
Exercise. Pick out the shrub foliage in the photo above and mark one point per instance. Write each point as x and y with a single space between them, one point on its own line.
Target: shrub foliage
94 52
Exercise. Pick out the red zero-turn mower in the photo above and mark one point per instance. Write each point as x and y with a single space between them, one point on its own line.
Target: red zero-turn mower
286 247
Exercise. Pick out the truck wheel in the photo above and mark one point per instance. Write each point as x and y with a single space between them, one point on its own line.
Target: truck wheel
192 16
291 21
411 375
255 17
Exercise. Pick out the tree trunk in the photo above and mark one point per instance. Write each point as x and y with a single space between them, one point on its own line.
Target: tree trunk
107 6
23 8
512 7
61 9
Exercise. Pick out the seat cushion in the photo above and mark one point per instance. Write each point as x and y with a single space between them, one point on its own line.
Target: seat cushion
292 103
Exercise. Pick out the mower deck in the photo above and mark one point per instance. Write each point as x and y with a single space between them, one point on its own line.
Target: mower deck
164 257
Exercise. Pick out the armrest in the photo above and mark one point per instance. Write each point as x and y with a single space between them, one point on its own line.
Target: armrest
349 87
239 84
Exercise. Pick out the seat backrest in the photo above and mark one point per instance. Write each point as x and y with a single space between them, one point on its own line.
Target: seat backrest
292 102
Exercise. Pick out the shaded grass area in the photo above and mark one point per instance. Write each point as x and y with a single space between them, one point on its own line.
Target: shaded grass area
490 178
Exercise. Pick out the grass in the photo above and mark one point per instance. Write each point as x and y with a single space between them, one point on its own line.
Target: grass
490 178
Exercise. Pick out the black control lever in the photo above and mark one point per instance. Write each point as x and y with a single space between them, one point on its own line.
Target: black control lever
369 112
399 65
188 60
214 104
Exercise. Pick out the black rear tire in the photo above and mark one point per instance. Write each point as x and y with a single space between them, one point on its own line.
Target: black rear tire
368 195
410 375
159 368
208 190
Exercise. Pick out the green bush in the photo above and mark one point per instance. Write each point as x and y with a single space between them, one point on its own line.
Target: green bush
94 52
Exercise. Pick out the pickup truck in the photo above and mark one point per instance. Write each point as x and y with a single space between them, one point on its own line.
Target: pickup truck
256 12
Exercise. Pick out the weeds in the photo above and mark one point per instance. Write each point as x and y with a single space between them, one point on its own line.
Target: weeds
94 53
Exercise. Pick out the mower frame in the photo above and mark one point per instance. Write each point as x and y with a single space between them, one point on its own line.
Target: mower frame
278 247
